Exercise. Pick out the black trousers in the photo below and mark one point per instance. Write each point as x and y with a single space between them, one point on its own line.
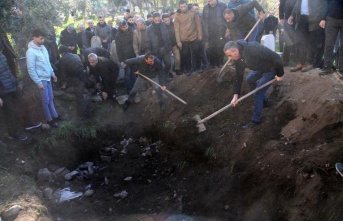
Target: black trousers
10 112
333 28
190 55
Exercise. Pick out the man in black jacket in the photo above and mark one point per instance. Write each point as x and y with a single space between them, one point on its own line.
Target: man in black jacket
158 41
83 38
125 50
68 38
214 28
9 100
333 26
151 67
106 73
265 65
73 74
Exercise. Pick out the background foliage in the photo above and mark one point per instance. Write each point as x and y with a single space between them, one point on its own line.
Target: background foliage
51 14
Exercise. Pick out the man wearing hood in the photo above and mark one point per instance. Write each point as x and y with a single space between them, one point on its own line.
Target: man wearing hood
188 32
41 72
158 42
265 65
103 31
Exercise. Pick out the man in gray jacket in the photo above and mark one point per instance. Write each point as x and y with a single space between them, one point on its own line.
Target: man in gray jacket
41 72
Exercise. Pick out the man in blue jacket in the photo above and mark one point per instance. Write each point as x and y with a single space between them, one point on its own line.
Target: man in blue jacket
265 65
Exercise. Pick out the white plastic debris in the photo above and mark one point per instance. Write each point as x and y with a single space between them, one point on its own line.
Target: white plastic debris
65 194
128 178
121 194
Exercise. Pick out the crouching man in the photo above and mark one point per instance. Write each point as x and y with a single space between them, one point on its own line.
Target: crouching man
106 73
151 67
265 65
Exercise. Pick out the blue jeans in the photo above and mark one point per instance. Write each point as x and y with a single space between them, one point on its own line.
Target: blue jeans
129 78
256 79
48 101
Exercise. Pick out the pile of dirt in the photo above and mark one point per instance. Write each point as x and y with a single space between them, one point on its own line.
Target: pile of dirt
282 169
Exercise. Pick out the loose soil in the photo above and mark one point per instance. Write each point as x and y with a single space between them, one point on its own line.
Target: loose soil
282 169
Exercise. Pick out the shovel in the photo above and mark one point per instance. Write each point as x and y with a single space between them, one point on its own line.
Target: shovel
146 78
221 73
200 122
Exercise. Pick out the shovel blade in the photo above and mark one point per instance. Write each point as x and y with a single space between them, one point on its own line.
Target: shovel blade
201 127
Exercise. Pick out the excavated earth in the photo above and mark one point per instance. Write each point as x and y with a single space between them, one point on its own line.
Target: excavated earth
282 169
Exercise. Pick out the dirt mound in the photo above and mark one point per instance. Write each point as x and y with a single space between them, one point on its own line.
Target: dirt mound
282 169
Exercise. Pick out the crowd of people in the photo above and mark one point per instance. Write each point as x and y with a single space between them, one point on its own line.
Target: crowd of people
167 45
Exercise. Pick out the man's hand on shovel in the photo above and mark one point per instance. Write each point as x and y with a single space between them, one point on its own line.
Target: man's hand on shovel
234 100
163 88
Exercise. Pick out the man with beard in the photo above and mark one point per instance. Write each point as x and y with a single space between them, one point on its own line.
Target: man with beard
158 42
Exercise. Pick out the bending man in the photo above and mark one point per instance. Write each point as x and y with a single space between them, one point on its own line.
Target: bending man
265 65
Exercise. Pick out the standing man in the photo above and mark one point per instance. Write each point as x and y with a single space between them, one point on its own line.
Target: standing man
309 18
124 44
139 38
9 100
106 73
333 27
73 73
103 31
270 24
265 65
151 67
68 38
214 27
91 27
41 72
188 32
83 38
158 42
175 49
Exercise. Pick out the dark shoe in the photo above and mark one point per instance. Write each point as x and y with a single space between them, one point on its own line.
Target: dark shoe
178 72
126 105
33 126
18 136
325 71
189 73
169 79
163 106
251 124
266 103
340 71
297 67
200 70
339 168
53 123
307 68
60 118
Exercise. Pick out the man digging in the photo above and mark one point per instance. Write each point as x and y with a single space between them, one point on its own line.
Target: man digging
265 65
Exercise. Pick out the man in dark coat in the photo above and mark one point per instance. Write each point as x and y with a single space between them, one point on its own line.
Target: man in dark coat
158 41
106 73
124 43
96 50
9 100
270 24
214 28
151 67
333 26
83 38
265 65
309 19
240 21
73 74
290 35
68 38
176 50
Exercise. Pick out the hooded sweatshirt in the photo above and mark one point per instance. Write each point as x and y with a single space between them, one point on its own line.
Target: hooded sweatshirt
38 64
